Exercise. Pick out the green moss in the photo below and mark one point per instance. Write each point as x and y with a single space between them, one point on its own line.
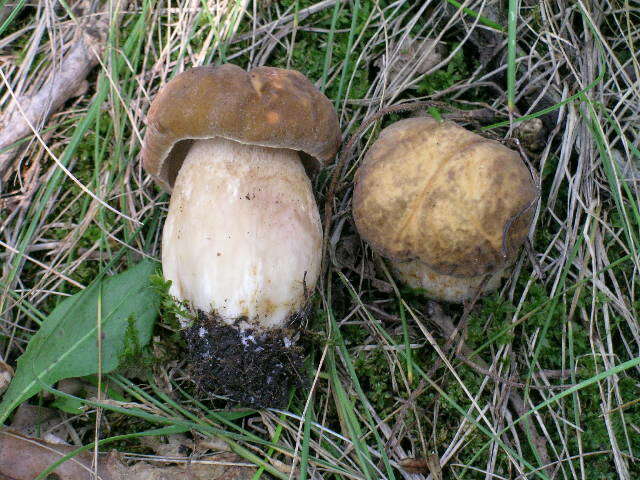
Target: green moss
171 342
373 375
457 69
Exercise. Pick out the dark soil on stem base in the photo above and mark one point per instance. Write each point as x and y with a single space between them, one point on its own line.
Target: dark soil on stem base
251 366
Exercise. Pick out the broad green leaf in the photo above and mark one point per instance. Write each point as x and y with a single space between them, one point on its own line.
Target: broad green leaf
73 406
66 344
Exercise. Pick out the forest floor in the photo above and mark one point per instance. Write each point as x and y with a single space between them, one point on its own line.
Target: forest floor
540 379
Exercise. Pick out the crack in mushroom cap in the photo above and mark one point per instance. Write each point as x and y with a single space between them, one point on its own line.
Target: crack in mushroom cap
438 193
266 106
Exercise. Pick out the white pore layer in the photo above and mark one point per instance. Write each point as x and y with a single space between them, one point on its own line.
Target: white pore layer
444 287
243 236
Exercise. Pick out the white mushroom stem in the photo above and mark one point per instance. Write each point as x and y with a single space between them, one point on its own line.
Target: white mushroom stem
446 288
242 240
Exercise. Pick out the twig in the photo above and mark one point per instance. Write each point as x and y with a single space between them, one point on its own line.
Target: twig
67 80
517 403
463 352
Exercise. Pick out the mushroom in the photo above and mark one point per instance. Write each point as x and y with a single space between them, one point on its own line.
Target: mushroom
449 208
242 239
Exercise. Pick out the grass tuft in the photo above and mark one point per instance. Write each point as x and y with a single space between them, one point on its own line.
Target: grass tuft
542 379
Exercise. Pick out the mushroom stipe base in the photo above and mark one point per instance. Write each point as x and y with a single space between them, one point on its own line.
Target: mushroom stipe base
255 368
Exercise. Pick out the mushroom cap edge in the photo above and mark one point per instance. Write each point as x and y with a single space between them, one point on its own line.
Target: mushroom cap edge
266 106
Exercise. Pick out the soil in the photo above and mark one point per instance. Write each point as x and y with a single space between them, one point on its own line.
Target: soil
253 367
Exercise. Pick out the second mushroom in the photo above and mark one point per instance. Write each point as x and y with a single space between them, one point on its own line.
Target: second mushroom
448 207
242 239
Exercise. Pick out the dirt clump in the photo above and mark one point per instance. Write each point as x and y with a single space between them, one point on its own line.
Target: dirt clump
252 367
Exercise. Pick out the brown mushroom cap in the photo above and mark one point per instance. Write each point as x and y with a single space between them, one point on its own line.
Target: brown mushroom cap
267 106
438 193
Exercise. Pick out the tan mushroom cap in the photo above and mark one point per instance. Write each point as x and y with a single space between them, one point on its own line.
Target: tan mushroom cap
438 193
267 106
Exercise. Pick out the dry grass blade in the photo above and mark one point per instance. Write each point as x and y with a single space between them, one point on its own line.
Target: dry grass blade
66 79
382 392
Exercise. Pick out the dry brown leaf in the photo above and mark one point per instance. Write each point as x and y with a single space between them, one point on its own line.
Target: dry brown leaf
227 466
175 445
23 458
30 419
419 53
421 465
6 374
532 133
213 443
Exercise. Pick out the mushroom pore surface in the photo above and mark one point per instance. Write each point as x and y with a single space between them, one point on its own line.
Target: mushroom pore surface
442 287
242 237
447 206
